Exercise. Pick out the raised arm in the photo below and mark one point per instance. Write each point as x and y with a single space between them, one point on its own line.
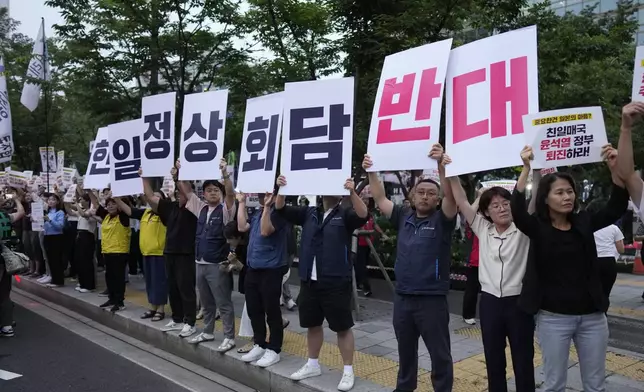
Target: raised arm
618 201
448 204
242 215
70 211
294 215
123 206
525 222
20 210
358 205
266 227
469 213
631 114
228 184
536 177
148 192
385 205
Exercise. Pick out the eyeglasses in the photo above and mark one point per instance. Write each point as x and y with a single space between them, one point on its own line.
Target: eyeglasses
497 206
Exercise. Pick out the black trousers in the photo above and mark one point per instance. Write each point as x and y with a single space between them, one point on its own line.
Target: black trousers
608 273
502 318
362 274
70 234
115 276
99 254
6 305
182 281
135 263
55 248
427 317
471 295
263 288
84 260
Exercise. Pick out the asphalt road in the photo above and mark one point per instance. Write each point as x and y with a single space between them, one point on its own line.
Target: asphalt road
52 359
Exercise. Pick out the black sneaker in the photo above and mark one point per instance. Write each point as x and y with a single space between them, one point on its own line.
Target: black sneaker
107 304
367 293
104 293
6 332
117 308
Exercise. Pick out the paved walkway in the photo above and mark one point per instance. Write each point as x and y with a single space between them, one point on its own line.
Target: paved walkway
376 358
626 297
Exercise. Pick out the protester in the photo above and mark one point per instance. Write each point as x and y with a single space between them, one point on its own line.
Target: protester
115 247
326 283
31 242
152 237
85 243
6 306
610 244
472 284
502 258
215 286
55 240
291 250
179 253
266 259
562 285
423 260
363 252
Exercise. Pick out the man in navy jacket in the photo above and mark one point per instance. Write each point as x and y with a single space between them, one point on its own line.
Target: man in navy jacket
326 273
422 275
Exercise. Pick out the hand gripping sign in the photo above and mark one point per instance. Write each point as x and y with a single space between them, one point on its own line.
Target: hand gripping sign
491 84
407 112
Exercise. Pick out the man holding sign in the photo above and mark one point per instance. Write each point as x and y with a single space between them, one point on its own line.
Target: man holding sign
422 275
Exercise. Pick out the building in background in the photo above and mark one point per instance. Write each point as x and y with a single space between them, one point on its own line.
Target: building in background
560 7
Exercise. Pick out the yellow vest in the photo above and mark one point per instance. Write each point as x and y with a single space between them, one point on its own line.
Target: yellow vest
152 234
115 236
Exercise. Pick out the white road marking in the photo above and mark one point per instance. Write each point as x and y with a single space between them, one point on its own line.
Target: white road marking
5 375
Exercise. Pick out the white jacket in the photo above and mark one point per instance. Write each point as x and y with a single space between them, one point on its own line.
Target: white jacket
502 258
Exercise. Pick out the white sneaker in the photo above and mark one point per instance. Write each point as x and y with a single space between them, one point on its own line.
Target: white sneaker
290 304
84 290
188 330
254 354
270 358
77 284
305 372
172 326
77 288
202 337
226 345
346 384
41 279
45 280
470 321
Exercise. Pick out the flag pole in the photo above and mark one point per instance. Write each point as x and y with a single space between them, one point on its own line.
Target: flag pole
46 95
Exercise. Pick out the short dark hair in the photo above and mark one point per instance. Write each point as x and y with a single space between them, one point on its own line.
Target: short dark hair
541 208
86 197
430 181
231 231
488 195
216 183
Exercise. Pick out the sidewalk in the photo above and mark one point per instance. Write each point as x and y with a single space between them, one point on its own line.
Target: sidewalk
626 297
376 359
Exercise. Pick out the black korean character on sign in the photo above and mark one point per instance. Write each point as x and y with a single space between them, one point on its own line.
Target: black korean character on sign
206 150
100 157
127 168
258 140
578 152
159 148
581 128
338 120
551 132
583 139
5 147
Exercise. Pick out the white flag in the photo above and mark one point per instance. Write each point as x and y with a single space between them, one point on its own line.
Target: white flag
6 136
38 69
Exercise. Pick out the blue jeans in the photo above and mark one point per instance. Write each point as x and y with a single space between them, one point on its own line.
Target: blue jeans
590 335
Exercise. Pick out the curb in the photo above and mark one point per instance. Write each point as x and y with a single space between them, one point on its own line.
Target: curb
272 379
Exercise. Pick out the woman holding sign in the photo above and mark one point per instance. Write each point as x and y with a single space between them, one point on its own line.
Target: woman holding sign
503 254
562 283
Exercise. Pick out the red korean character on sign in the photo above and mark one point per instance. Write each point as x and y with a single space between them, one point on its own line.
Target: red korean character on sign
545 144
516 93
565 142
397 101
561 154
551 155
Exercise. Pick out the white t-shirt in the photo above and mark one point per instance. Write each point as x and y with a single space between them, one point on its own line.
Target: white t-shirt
605 241
314 273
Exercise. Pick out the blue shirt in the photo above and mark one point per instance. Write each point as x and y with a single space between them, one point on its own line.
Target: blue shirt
56 222
267 252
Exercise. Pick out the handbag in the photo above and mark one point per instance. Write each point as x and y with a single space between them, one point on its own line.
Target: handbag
14 262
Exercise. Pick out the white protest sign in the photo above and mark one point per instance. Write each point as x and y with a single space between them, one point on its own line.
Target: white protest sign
252 200
506 184
157 113
17 180
37 216
317 136
60 162
69 195
68 175
202 135
260 143
47 159
637 94
168 186
28 174
432 174
125 155
566 137
491 84
407 111
97 175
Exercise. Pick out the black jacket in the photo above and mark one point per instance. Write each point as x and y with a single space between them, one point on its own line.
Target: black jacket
584 224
